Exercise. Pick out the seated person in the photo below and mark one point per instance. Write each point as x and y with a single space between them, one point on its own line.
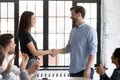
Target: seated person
115 60
8 70
7 41
25 74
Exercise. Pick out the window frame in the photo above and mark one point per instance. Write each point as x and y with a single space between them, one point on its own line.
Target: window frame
45 26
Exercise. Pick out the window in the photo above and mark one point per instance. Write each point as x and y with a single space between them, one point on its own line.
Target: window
53 23
6 20
60 25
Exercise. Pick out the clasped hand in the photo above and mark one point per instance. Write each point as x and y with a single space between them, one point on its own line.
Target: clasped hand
53 52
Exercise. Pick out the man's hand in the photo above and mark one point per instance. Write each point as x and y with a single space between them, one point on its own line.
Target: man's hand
54 52
9 66
24 62
33 68
87 72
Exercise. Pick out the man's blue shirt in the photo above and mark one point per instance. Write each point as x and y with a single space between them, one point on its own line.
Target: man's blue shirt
82 43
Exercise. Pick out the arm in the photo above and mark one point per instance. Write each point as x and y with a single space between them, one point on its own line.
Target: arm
9 66
33 68
35 52
27 74
62 51
92 49
58 51
24 75
24 62
101 71
88 66
7 73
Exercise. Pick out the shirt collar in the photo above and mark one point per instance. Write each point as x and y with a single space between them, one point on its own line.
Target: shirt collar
80 25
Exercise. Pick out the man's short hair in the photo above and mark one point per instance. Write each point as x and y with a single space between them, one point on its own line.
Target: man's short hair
79 9
5 39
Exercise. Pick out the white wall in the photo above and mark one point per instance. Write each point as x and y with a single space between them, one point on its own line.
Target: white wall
110 21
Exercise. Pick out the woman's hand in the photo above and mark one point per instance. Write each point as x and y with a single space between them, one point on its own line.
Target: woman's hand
100 70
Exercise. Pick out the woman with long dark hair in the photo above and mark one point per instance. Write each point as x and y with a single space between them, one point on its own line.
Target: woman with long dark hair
27 43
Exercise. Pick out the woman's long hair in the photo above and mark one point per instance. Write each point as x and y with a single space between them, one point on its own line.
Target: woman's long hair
25 22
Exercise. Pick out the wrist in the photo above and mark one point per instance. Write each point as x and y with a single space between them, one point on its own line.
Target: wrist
50 51
28 71
88 67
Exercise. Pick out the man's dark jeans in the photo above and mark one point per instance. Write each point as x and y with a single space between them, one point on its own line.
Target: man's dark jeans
80 74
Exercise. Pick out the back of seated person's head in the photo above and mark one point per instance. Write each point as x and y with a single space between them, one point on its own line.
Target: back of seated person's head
1 55
117 54
5 39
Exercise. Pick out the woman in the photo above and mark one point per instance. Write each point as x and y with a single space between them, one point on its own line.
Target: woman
27 43
115 60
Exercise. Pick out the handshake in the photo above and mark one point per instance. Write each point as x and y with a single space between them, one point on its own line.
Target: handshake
53 52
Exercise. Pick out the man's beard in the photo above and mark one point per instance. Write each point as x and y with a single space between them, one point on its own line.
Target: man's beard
74 22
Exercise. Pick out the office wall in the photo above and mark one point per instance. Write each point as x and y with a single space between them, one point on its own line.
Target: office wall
110 31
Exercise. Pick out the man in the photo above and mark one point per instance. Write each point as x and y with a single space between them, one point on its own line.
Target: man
10 71
7 41
82 45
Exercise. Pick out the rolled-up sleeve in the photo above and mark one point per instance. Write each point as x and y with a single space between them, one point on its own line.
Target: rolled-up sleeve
92 41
